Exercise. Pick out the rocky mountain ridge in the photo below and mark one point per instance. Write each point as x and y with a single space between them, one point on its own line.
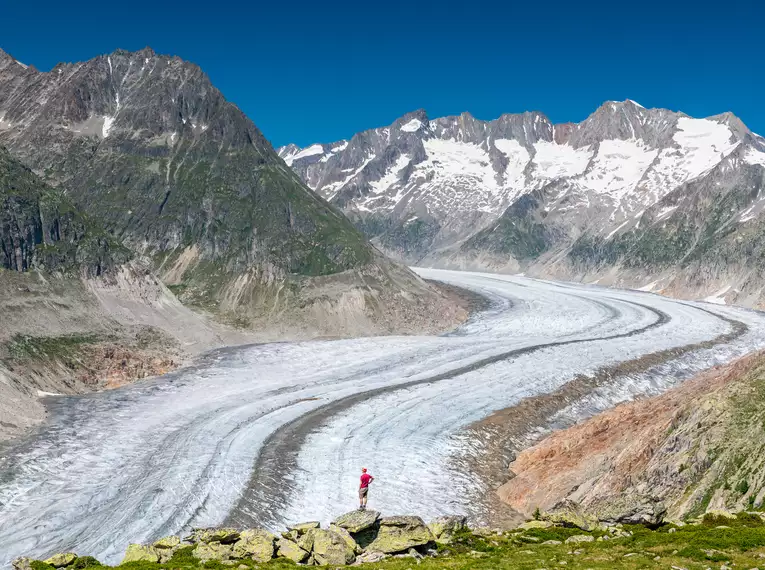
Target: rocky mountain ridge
145 144
630 196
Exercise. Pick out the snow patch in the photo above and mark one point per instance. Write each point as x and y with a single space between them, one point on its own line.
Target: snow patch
754 156
312 150
392 176
618 167
554 160
517 159
21 64
108 123
412 126
636 103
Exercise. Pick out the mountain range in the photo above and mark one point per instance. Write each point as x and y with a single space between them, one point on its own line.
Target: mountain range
630 196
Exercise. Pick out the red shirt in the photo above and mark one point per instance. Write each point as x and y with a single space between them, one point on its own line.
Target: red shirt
366 478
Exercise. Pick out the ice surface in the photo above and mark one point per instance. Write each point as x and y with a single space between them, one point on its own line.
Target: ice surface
166 454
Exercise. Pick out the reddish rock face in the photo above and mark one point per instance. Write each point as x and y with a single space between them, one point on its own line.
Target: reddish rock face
646 446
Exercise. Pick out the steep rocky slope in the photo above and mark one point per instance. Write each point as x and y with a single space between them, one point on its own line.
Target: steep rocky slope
77 313
696 448
631 196
148 146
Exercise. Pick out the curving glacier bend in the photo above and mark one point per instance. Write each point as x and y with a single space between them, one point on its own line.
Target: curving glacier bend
276 433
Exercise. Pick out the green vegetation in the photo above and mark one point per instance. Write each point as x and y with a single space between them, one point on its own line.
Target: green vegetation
23 347
715 540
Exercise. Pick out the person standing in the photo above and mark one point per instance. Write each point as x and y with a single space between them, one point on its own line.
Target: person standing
366 479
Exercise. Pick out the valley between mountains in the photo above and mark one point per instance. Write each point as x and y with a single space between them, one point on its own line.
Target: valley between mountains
200 329
274 433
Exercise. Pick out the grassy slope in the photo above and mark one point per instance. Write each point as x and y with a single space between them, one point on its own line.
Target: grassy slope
713 542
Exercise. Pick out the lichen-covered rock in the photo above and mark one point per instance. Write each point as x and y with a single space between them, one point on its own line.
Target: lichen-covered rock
62 559
630 508
222 535
529 525
302 528
577 538
255 543
357 521
290 550
166 547
22 563
399 534
205 551
167 542
346 536
140 553
570 514
444 528
331 548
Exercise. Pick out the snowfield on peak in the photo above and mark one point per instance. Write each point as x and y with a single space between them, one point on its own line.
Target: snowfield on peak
429 191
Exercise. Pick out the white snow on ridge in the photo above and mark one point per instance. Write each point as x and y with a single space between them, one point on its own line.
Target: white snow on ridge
618 167
310 151
554 160
705 144
702 145
636 103
25 66
412 126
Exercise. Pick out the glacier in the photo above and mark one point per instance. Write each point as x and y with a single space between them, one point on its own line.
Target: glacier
276 433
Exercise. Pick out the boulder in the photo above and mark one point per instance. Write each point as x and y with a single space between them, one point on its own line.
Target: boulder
331 548
577 538
290 550
399 534
302 528
529 525
571 514
22 563
166 547
222 535
62 559
445 528
205 551
346 536
167 542
357 521
629 509
255 543
140 553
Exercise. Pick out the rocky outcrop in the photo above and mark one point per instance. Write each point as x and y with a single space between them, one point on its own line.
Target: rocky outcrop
689 451
41 229
399 534
445 528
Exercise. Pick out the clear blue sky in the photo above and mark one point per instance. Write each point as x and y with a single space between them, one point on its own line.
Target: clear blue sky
323 70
